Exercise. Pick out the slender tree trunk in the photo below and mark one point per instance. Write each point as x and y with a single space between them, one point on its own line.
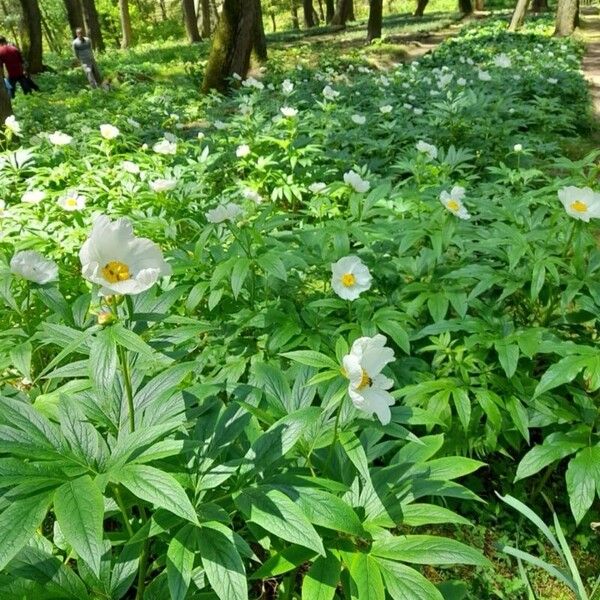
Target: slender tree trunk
567 17
375 20
126 32
307 7
538 6
273 20
480 5
421 4
465 7
260 39
329 10
294 11
235 38
33 25
163 10
341 13
50 38
92 24
351 16
5 105
13 31
206 29
321 13
518 16
191 22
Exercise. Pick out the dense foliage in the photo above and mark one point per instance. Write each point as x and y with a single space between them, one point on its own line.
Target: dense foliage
226 432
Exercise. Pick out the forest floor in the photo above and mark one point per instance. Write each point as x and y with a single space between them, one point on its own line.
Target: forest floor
589 32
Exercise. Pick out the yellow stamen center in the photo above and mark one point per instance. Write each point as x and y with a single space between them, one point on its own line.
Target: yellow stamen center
579 206
116 271
71 202
348 279
453 205
365 381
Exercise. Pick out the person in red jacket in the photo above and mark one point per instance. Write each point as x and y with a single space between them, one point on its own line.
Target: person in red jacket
12 60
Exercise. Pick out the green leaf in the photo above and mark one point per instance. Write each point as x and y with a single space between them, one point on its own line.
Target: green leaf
508 354
321 580
103 360
240 271
541 456
180 561
519 416
282 562
18 523
20 356
564 371
79 510
404 583
221 561
157 487
365 573
396 332
312 359
583 479
416 515
427 550
280 516
462 403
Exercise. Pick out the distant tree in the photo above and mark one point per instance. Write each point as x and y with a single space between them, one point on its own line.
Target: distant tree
33 26
206 20
375 19
341 13
329 10
126 31
351 16
240 30
479 4
567 17
5 105
294 11
538 6
420 10
518 16
74 14
191 21
309 20
465 7
92 24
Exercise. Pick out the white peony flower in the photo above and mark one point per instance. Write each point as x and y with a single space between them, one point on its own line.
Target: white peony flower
71 202
461 81
201 135
58 138
518 148
12 125
165 147
251 82
250 194
483 76
418 111
317 187
428 149
224 212
368 387
242 150
169 136
350 277
552 80
31 265
287 87
580 203
356 182
453 202
163 185
109 132
359 119
386 109
288 112
329 93
33 196
130 167
502 61
118 261
219 124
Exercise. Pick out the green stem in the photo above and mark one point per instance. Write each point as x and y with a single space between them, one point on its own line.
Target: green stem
141 583
121 505
128 388
335 434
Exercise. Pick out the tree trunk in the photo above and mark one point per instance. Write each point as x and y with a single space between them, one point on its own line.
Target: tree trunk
13 30
92 24
375 19
538 6
465 7
163 10
5 105
480 5
341 13
518 16
234 39
205 4
329 10
350 16
33 25
50 37
260 39
126 32
567 16
321 13
273 21
309 21
421 4
191 23
294 11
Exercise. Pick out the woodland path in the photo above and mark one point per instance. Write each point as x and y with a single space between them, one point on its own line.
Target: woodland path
590 33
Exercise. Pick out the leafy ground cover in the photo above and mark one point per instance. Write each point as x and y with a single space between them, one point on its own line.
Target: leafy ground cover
360 287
